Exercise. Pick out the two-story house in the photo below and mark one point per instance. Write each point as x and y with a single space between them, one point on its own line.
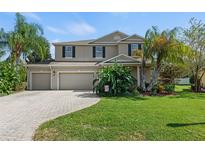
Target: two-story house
77 62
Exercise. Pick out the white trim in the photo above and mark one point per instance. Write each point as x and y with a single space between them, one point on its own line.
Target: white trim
72 72
117 57
66 65
140 37
31 73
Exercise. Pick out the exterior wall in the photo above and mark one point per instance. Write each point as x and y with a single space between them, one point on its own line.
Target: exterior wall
123 49
85 53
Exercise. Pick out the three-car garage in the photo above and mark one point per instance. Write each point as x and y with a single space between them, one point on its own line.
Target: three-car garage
45 77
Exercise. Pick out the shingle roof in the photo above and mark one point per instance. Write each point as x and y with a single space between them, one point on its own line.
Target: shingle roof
81 42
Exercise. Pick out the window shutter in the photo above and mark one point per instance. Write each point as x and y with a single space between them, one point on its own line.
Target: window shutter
93 51
73 50
129 49
139 46
63 51
104 52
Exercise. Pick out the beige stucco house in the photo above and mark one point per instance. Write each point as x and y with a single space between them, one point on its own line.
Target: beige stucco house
77 62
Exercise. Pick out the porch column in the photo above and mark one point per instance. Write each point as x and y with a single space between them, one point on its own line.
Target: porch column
138 76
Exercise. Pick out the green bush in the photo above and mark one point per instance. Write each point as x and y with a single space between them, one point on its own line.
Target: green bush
154 90
169 88
118 78
9 78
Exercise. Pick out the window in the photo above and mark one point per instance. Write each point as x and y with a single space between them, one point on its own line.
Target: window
68 51
134 47
99 52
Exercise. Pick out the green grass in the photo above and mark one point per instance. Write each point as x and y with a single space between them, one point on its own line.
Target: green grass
179 117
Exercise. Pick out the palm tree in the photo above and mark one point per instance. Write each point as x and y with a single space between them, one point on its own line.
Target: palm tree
26 38
160 47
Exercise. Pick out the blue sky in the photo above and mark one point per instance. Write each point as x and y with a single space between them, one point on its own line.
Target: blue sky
77 26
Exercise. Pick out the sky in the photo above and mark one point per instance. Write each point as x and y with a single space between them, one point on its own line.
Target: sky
80 26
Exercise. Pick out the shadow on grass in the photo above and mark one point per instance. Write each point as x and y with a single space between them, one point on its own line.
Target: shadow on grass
134 98
184 124
188 94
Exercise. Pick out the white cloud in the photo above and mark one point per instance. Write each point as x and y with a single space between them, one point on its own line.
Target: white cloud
56 30
80 28
75 28
32 15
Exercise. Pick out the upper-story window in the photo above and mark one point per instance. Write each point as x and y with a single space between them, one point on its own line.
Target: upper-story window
68 51
99 51
133 47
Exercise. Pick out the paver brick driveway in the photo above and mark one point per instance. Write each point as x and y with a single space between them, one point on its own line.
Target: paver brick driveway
23 112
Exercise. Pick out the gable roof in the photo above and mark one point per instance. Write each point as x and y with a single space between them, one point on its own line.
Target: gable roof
81 42
109 39
113 37
121 59
131 38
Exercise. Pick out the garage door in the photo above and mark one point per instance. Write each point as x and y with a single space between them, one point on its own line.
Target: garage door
41 81
75 81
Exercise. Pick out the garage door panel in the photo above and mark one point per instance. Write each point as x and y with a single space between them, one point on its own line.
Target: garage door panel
75 81
41 81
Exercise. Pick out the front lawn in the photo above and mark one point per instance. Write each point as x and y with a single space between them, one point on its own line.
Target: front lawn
179 117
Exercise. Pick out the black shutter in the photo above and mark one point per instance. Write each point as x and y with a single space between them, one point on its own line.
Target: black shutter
63 51
104 52
93 51
129 49
73 50
139 46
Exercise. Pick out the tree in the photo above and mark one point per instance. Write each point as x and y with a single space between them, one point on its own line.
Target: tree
170 71
194 37
160 47
26 38
3 42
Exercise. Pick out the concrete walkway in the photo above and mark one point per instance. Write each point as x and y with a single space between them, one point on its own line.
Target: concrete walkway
23 112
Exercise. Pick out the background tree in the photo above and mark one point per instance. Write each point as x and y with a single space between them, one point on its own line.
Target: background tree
194 37
170 71
160 47
26 38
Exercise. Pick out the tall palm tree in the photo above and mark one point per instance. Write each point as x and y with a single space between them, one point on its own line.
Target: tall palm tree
26 38
160 47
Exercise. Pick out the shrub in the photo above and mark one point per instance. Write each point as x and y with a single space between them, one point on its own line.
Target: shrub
154 90
117 77
160 88
169 88
9 78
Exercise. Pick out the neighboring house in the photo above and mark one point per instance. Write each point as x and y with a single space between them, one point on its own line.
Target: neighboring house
76 63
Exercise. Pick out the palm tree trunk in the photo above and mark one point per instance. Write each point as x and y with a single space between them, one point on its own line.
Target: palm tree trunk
142 75
155 75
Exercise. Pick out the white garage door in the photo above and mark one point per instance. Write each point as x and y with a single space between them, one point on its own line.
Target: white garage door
41 81
76 81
